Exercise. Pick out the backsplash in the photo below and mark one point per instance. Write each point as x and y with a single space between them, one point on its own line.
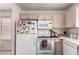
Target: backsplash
69 30
73 30
47 33
59 30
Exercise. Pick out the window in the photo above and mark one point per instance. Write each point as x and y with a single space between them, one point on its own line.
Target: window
5 28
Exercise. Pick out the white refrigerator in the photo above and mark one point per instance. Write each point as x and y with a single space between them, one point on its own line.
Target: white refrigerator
26 34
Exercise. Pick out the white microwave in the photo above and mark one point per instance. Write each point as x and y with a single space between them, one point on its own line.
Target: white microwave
44 24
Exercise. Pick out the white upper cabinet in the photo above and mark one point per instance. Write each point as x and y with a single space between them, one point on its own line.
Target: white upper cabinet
33 17
45 17
49 17
58 20
41 17
77 16
57 17
71 17
26 16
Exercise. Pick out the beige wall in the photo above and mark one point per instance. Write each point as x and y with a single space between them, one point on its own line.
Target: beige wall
5 45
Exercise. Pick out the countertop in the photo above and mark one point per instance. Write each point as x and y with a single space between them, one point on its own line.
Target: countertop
72 40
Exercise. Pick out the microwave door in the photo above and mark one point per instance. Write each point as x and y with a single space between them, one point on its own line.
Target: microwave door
44 24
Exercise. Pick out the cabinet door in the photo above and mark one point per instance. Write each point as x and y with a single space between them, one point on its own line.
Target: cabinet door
41 17
49 17
28 16
33 17
45 17
58 21
68 20
71 18
69 48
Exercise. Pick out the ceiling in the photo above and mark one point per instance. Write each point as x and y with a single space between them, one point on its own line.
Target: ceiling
44 6
5 6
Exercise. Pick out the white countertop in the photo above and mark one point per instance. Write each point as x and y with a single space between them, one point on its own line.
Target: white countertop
72 40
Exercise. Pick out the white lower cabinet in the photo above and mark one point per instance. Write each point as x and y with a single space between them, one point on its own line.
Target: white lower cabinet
69 48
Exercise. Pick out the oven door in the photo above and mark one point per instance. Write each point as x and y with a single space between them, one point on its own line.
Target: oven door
48 50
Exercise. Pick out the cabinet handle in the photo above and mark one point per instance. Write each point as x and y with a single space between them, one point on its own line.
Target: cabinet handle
69 44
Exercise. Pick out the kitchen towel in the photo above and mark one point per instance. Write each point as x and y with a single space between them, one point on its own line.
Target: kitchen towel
44 43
